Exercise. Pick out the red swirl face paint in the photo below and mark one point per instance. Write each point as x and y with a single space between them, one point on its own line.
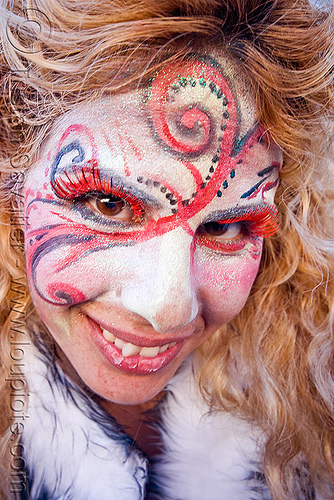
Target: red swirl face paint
145 218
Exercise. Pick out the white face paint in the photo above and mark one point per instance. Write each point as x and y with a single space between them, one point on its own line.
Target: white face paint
146 214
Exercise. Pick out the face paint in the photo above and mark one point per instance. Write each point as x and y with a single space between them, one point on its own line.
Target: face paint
145 219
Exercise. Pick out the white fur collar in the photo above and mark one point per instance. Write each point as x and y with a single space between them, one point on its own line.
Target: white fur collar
73 449
211 456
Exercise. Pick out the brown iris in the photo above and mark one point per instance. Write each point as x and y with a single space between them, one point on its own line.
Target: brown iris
110 205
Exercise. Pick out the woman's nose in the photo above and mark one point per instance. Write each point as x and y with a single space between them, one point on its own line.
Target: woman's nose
163 290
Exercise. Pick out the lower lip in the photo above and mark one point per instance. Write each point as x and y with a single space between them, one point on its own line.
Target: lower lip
138 365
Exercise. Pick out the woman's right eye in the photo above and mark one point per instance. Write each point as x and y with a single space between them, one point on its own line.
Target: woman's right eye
111 206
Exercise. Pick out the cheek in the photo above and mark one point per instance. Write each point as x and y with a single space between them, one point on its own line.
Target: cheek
68 263
225 283
61 278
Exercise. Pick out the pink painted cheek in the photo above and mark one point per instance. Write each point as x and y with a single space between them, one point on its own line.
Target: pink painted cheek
225 283
228 277
63 284
68 263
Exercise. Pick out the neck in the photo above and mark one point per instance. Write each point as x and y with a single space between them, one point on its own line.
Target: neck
138 421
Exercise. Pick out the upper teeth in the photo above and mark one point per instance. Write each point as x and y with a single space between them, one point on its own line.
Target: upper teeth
129 349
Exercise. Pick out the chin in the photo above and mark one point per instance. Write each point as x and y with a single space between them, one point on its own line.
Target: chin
119 387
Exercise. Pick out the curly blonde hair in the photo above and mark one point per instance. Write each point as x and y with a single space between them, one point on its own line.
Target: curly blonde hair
57 53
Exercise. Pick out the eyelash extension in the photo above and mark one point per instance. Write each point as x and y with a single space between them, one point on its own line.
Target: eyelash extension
263 220
87 181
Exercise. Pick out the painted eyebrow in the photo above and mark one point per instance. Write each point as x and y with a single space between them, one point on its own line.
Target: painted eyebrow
268 170
265 174
107 173
129 186
236 213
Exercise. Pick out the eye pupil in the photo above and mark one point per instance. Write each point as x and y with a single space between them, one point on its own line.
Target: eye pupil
110 205
215 228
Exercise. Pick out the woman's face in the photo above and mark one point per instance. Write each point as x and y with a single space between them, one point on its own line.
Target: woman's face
145 216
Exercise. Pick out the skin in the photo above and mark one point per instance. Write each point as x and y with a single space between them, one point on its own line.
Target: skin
145 218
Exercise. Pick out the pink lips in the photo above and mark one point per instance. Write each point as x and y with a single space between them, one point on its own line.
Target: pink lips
136 364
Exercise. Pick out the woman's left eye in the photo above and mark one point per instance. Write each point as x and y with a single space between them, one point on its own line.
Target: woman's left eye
222 230
111 206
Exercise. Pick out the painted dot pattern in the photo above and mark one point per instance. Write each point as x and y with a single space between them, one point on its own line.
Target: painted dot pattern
176 88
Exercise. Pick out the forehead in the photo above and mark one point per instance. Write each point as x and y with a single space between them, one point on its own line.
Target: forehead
212 84
186 137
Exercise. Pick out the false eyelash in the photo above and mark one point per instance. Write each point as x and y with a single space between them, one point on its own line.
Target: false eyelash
86 181
264 220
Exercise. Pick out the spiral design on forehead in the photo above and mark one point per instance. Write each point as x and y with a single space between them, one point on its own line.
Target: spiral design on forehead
187 102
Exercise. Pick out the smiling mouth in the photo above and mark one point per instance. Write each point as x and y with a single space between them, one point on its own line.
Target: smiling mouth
127 349
132 358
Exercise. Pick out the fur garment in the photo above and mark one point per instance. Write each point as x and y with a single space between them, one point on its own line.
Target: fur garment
75 450
211 456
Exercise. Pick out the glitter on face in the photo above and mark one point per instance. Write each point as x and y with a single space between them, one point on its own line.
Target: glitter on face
146 214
